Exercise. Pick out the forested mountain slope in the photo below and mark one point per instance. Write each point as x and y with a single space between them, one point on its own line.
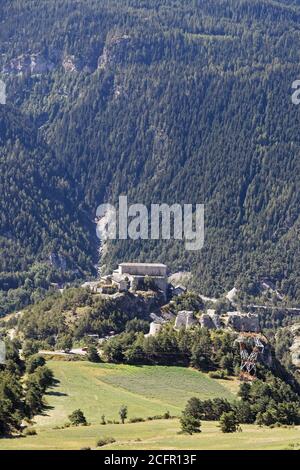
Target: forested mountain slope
176 102
38 215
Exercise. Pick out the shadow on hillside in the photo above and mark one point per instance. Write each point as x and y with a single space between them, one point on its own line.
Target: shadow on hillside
53 393
45 410
57 394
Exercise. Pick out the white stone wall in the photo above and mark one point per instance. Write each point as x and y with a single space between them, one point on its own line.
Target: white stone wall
143 269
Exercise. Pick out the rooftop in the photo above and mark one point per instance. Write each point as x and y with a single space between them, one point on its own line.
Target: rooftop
154 265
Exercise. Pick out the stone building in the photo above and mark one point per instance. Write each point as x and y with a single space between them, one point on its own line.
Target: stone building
135 273
185 319
247 322
143 269
155 328
206 321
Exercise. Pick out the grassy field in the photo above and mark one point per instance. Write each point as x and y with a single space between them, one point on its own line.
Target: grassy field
147 391
157 435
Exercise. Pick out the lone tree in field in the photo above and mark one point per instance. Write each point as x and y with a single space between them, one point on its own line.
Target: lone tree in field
228 422
189 424
123 413
103 422
77 418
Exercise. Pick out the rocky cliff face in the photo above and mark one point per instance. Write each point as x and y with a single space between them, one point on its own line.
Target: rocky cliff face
114 51
37 64
32 64
71 63
295 348
141 305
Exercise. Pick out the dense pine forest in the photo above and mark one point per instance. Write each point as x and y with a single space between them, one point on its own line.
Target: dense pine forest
162 100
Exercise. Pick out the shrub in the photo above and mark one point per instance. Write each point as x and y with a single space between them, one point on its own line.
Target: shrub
137 420
30 432
218 374
104 441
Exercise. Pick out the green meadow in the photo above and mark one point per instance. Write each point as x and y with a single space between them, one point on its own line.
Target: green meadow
100 389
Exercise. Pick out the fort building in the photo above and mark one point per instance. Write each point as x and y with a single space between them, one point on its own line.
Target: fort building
135 274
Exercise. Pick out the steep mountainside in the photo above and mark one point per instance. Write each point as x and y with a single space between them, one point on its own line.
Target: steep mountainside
39 219
171 102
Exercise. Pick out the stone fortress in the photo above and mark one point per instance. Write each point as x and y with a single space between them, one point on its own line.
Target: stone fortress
129 274
237 321
130 277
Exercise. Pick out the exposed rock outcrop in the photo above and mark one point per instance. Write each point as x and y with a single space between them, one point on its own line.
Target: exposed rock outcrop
295 348
71 64
37 64
33 64
114 50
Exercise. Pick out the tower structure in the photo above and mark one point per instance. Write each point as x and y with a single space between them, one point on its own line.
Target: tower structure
251 346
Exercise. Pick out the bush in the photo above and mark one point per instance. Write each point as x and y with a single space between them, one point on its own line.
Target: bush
166 415
137 420
218 374
30 432
104 441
